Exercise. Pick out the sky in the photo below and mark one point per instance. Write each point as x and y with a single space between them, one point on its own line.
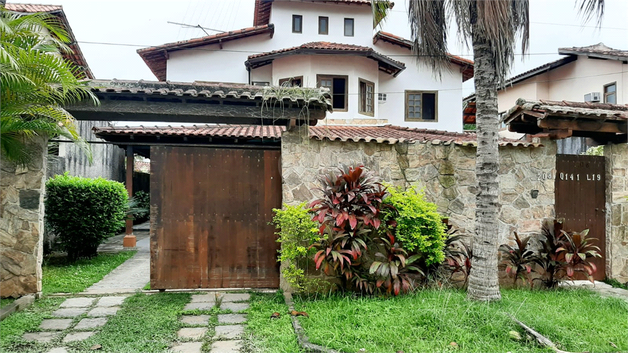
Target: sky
110 31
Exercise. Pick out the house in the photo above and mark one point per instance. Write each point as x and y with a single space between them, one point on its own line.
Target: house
373 76
109 160
596 74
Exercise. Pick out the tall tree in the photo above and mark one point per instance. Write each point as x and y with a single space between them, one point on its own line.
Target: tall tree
493 28
35 83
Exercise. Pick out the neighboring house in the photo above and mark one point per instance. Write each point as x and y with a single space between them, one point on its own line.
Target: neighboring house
596 74
108 159
373 76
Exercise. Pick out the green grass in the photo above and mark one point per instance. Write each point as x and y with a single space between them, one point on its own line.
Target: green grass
145 323
59 276
615 283
6 301
429 320
265 334
28 320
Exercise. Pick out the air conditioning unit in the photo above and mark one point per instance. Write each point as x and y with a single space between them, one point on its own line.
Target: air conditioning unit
592 97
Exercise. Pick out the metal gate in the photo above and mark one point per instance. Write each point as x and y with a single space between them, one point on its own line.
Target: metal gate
581 199
210 210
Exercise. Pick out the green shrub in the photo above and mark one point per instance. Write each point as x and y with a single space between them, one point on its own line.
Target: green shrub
83 212
142 206
297 232
420 228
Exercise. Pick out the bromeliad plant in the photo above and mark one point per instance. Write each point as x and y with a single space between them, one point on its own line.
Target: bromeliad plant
518 260
349 214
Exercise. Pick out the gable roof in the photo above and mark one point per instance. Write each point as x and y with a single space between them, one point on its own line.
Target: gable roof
465 64
156 57
76 56
386 64
540 70
261 15
387 134
598 51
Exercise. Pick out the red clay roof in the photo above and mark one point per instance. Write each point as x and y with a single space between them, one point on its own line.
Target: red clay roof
388 134
466 64
261 15
76 56
156 57
386 63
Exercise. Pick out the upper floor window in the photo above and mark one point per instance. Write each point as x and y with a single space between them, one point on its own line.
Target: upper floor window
367 97
349 27
421 106
297 24
610 93
337 88
291 82
323 25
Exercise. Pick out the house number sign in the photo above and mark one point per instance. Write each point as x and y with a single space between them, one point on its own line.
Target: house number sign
569 176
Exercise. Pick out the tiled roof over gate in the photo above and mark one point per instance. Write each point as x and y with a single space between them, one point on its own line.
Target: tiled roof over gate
388 134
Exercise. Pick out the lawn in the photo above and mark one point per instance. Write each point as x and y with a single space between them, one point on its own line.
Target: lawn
12 328
429 320
59 276
6 301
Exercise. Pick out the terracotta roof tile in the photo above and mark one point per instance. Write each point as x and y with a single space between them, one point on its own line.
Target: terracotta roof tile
387 134
76 56
156 57
466 64
597 50
386 63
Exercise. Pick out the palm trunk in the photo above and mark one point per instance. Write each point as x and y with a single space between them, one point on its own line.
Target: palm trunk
483 279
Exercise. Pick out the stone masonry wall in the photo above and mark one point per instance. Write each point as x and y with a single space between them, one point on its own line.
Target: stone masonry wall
617 211
446 173
21 224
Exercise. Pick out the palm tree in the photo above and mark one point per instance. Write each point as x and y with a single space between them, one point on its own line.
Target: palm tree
36 82
494 28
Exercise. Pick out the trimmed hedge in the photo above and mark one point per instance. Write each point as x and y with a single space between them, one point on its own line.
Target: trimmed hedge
83 212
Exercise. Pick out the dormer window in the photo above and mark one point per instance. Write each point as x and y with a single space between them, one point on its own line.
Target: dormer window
348 27
297 24
323 25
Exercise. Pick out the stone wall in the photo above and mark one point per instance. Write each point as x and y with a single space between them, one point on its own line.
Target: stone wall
617 211
21 224
445 171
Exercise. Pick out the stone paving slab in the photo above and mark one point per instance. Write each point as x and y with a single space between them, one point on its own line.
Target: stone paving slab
226 346
110 301
199 306
77 303
43 337
235 307
55 324
192 333
236 297
231 318
229 332
204 298
188 347
195 319
58 350
87 323
99 312
78 336
69 312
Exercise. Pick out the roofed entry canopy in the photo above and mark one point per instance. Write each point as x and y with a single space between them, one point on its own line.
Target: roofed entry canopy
202 102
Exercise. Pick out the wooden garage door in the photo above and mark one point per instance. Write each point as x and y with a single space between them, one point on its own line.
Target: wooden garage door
210 210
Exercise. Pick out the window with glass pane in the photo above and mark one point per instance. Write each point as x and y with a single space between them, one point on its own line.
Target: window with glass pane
421 106
297 23
367 97
337 86
323 25
610 93
349 27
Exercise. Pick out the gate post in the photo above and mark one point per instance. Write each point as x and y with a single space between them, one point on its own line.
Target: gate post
617 211
129 240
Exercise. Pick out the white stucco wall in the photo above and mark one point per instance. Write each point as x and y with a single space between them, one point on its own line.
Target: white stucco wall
570 82
281 16
421 78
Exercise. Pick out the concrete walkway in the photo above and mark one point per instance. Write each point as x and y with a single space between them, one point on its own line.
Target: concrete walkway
133 274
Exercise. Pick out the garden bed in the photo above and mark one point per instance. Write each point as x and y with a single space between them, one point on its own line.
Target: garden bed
430 320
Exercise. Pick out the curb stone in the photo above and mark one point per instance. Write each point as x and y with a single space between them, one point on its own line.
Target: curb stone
304 342
18 305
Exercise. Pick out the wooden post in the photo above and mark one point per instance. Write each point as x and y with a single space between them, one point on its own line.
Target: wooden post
129 240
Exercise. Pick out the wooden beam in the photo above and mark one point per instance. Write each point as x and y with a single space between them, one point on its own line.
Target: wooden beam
129 240
583 125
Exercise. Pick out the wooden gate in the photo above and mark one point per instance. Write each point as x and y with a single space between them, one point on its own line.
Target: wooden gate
210 210
581 198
